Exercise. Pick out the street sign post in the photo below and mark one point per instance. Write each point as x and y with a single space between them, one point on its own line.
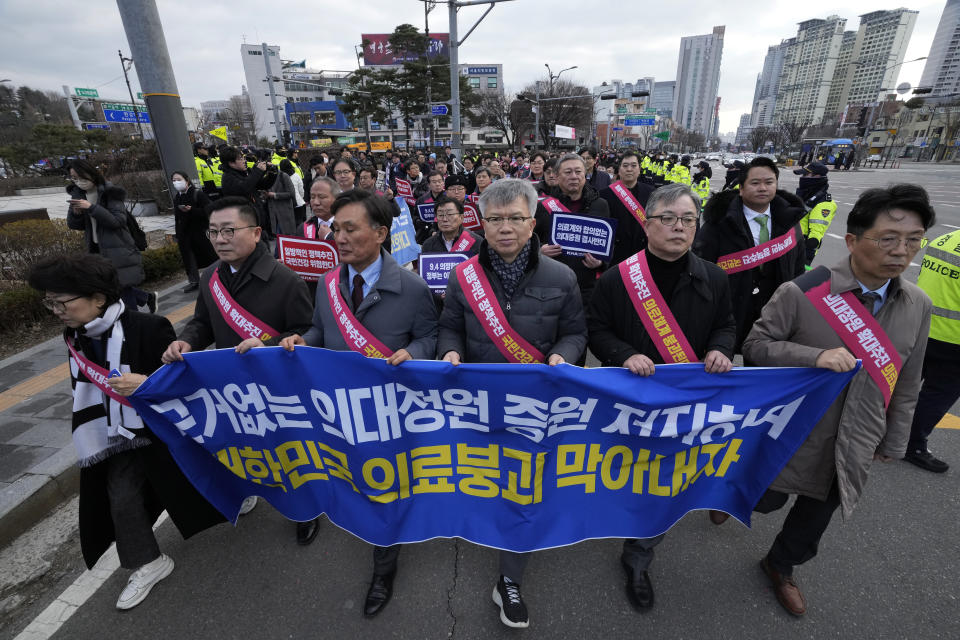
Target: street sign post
636 121
86 93
439 109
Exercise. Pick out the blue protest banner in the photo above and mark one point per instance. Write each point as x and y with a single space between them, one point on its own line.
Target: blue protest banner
427 212
517 457
580 235
403 235
436 268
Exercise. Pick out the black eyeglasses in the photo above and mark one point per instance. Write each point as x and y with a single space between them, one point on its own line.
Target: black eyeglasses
669 220
226 232
58 306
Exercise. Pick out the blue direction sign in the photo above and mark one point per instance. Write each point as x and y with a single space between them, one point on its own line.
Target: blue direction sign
639 122
125 116
618 128
96 125
439 110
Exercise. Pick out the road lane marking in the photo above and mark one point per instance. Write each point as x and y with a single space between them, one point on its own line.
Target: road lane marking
51 377
833 235
952 226
49 621
949 421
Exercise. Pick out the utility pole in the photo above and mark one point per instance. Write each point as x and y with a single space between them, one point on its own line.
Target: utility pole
72 106
273 94
536 119
141 22
366 101
126 63
427 8
455 42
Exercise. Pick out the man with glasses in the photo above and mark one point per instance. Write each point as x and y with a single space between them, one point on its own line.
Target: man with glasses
696 296
246 298
630 237
861 308
573 195
451 236
543 322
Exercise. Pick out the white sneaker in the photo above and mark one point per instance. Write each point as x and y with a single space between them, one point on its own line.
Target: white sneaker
142 581
248 504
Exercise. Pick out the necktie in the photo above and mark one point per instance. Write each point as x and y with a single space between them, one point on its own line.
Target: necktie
357 295
870 300
764 232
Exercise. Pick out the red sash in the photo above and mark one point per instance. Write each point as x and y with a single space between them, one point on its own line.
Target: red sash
629 201
95 374
553 205
654 313
756 256
354 334
479 294
861 334
239 319
309 231
463 243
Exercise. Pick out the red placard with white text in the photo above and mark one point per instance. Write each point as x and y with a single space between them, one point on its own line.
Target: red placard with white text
309 259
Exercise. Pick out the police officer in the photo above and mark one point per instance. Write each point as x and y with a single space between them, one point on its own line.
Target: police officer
940 279
814 191
204 171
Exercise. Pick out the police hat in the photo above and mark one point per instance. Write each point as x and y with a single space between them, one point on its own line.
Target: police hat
814 168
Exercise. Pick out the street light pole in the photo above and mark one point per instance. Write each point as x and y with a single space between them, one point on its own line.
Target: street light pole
125 63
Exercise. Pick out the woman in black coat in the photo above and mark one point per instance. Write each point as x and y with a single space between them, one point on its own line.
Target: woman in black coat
190 225
127 476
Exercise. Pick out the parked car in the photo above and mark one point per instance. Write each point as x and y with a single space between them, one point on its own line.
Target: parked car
874 158
714 157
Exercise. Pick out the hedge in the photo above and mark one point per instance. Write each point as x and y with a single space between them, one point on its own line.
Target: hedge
20 305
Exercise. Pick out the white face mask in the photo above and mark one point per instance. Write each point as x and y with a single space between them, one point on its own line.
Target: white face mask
86 185
179 185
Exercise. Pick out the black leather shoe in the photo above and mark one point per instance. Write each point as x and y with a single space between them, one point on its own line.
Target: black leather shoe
926 460
378 595
307 531
193 286
639 588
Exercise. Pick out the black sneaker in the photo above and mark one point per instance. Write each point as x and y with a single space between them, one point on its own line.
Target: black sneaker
513 612
925 460
153 298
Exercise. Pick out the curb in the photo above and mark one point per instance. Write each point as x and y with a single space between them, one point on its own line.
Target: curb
49 483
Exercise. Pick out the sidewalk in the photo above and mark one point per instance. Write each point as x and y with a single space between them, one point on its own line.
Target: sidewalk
56 206
37 460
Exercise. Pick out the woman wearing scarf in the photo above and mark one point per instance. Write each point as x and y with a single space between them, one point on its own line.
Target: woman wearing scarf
127 476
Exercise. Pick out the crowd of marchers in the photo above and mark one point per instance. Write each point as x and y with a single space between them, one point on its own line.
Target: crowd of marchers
730 269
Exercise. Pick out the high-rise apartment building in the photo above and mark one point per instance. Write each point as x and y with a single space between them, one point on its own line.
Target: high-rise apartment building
662 98
942 70
698 78
765 95
256 71
870 58
808 69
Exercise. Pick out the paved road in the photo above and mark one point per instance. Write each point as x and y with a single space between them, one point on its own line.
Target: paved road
890 572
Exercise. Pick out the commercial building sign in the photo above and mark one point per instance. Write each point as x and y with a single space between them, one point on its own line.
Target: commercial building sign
481 71
377 49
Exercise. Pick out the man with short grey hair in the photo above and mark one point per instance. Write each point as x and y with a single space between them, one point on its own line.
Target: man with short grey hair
323 191
692 297
545 322
572 195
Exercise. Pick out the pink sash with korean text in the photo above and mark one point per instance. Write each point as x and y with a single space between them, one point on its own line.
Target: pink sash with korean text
553 205
239 319
479 294
463 243
861 334
756 256
657 319
629 201
354 334
95 374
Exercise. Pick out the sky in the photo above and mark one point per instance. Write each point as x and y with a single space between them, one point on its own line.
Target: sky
49 43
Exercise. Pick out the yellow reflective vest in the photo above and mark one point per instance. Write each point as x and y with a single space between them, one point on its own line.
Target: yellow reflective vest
217 172
940 279
702 189
204 172
817 221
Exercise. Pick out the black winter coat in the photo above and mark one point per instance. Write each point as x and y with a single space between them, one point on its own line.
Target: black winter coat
725 230
114 241
146 336
630 237
593 206
700 303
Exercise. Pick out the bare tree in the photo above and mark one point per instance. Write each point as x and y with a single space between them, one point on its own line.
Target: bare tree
758 136
496 110
792 132
577 111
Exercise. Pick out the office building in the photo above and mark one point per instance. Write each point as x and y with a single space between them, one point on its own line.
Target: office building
942 70
698 78
662 98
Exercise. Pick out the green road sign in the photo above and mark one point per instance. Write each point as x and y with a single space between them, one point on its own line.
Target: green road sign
650 110
86 93
139 96
663 135
119 106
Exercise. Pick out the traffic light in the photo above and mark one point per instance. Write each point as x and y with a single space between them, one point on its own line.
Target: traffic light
921 90
334 92
286 138
532 137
